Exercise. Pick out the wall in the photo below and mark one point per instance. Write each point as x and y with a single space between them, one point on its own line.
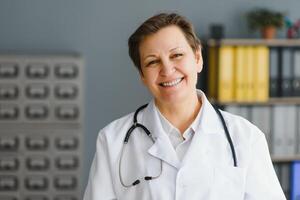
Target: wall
98 29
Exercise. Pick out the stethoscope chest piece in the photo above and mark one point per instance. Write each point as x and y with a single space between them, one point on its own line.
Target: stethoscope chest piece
136 125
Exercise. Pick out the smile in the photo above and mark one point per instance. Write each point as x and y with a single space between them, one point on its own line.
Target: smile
171 83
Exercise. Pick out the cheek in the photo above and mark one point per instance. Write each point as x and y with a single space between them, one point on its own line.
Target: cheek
149 77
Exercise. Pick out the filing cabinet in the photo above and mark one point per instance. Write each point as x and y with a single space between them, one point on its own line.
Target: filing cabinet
41 127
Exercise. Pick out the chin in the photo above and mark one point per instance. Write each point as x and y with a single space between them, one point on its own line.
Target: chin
172 98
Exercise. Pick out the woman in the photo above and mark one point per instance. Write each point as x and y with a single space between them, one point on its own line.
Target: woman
189 155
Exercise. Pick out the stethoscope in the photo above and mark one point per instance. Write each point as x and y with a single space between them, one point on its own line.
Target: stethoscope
138 125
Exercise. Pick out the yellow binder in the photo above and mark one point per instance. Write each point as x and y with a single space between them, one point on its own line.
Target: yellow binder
250 72
240 74
261 86
225 73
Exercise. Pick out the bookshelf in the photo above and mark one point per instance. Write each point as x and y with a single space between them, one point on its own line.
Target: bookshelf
268 42
271 101
287 158
260 80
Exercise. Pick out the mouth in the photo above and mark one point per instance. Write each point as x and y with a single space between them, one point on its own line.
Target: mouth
171 83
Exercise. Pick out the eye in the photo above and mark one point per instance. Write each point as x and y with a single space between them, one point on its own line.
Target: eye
152 62
177 55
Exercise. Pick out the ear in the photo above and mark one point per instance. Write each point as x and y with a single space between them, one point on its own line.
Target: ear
199 60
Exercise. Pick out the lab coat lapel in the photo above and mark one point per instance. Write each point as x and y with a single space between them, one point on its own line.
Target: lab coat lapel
207 132
162 147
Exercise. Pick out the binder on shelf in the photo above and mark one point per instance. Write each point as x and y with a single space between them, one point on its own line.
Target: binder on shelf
240 74
295 180
225 73
279 131
298 131
286 72
290 138
212 72
243 111
261 78
285 179
274 72
250 71
296 73
284 130
277 168
261 117
233 109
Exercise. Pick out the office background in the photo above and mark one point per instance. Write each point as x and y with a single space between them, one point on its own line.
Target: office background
99 29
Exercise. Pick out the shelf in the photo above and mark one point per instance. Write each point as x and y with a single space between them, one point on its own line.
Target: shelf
271 101
286 158
267 42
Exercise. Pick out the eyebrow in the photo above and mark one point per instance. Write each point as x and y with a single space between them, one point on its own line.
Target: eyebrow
152 55
175 48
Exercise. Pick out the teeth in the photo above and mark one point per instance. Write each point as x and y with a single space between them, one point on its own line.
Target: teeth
172 83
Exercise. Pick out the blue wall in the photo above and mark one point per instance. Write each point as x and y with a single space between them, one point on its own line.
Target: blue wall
98 29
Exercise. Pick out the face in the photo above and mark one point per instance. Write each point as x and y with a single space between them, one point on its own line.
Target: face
169 66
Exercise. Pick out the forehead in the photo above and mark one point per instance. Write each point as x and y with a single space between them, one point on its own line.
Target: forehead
165 39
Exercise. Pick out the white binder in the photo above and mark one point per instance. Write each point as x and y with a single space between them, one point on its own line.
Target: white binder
243 111
284 130
261 117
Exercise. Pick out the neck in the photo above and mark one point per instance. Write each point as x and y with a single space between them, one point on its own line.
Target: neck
181 114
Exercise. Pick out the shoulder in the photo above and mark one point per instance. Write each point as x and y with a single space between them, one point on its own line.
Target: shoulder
116 129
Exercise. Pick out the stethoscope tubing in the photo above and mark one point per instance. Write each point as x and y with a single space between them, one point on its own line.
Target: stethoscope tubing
148 133
227 135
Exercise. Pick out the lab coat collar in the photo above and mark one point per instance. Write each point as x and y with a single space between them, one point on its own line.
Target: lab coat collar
162 147
209 128
209 120
209 123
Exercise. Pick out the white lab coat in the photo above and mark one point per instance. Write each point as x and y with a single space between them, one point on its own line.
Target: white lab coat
205 173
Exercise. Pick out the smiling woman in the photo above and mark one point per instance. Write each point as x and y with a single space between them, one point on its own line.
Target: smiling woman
178 146
169 70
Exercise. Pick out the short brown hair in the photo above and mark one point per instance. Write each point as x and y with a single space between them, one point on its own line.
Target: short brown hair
153 25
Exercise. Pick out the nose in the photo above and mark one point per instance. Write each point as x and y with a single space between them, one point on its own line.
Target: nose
167 68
